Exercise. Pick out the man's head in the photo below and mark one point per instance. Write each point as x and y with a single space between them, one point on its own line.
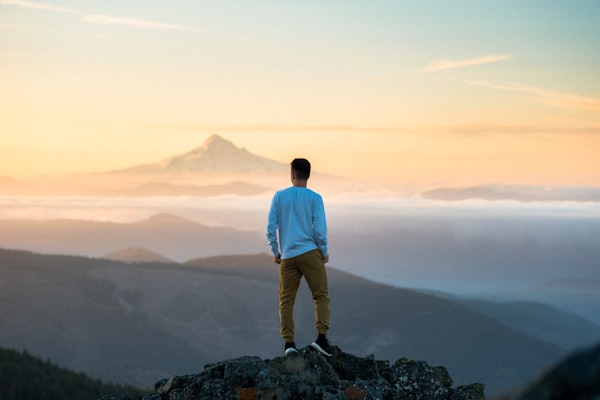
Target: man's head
301 168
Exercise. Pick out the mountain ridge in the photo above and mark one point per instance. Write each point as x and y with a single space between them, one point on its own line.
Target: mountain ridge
177 309
137 255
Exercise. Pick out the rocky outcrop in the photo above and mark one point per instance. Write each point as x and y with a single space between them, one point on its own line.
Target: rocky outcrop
309 375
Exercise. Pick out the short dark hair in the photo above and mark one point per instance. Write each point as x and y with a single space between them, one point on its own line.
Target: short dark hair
301 167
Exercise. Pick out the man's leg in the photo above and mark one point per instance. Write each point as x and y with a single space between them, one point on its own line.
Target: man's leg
289 281
312 267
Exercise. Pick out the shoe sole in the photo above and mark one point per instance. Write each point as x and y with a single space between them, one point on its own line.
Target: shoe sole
321 350
291 350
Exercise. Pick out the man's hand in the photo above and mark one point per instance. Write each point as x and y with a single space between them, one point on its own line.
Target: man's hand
277 259
325 259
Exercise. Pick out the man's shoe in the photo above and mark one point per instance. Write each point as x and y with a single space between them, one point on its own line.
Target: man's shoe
290 348
322 345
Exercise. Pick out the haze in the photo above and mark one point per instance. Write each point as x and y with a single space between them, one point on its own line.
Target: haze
401 93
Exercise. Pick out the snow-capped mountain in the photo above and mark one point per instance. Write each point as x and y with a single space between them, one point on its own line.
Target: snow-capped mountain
216 167
215 156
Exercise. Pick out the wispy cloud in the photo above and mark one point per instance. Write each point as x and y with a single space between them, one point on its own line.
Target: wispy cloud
550 97
100 19
39 6
135 22
440 65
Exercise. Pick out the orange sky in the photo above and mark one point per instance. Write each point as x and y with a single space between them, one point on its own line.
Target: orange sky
406 94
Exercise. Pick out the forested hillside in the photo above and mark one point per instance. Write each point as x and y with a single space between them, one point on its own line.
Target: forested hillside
24 376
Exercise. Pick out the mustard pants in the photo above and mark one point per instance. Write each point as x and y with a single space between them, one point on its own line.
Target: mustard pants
291 270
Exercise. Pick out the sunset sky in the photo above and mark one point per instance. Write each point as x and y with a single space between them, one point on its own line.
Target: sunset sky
405 92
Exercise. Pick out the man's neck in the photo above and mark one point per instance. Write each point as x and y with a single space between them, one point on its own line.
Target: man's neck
300 183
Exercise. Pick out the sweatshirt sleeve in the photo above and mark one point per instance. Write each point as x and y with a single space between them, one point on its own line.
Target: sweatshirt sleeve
272 225
320 226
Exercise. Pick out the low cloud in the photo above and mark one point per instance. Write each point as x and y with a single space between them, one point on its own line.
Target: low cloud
521 193
444 64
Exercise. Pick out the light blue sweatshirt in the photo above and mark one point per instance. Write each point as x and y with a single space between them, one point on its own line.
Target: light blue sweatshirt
299 216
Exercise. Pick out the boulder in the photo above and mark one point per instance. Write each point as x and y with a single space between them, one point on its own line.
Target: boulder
308 375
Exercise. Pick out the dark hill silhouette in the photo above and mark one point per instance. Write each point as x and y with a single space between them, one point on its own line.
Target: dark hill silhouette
574 378
27 377
136 323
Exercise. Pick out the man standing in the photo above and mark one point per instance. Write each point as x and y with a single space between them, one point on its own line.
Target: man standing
297 234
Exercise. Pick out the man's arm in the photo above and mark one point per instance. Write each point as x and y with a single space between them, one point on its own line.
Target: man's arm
272 225
320 229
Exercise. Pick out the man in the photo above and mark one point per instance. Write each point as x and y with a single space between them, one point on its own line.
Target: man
297 234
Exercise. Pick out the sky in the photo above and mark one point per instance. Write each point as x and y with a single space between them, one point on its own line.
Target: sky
400 92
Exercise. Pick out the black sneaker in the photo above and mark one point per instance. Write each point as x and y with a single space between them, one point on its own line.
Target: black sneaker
290 348
322 345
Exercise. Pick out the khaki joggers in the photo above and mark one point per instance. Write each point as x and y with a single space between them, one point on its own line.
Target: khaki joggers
291 270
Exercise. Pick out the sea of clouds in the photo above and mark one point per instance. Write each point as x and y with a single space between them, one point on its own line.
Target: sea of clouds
508 250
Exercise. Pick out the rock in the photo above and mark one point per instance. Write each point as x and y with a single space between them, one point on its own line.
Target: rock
308 375
418 380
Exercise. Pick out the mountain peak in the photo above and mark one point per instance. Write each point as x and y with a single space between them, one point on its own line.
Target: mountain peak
214 144
216 139
138 255
215 156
